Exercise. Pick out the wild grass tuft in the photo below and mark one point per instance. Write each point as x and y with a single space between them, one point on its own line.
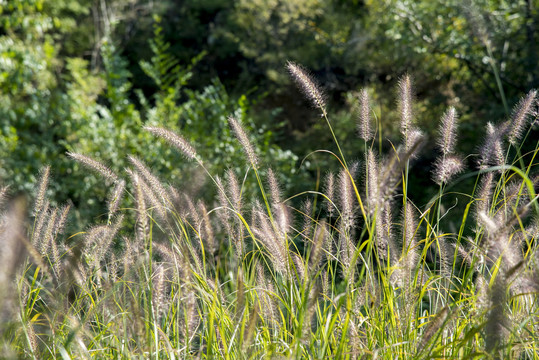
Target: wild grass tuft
358 270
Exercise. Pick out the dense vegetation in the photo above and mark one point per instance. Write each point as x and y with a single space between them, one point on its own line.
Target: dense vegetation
166 193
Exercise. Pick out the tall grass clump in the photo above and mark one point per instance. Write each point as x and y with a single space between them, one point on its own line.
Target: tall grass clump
358 270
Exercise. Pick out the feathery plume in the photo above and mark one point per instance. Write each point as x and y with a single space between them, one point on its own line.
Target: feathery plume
364 123
492 149
496 327
347 200
151 179
175 140
300 266
413 141
373 193
280 210
234 190
146 193
409 251
317 248
62 219
520 116
448 131
433 327
244 141
40 223
142 218
482 200
405 102
308 85
446 168
43 184
116 197
49 233
159 289
275 243
94 165
306 210
274 187
206 228
330 193
223 214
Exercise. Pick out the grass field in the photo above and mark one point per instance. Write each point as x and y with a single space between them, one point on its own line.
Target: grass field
357 271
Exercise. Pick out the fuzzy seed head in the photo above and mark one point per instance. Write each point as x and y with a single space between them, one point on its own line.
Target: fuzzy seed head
274 187
43 184
94 165
405 104
234 190
116 197
307 85
484 193
347 200
415 136
175 140
492 153
373 193
330 193
446 168
244 141
152 180
448 131
521 115
364 123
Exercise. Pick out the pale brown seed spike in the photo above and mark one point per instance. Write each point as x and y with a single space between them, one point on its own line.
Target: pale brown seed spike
307 209
159 289
49 234
234 190
151 179
299 265
412 142
448 132
175 140
521 115
433 326
364 123
319 237
244 141
446 168
347 200
142 218
206 228
40 223
116 197
308 85
275 243
330 191
405 104
491 151
274 187
62 219
224 213
373 193
94 165
42 189
409 250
